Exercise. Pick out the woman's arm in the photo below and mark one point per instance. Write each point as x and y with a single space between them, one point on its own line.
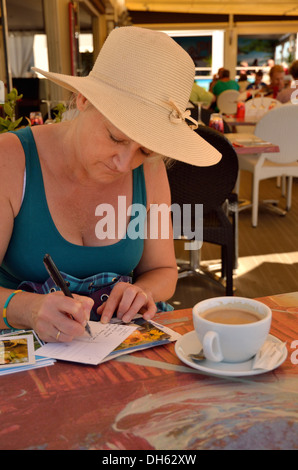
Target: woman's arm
10 171
44 313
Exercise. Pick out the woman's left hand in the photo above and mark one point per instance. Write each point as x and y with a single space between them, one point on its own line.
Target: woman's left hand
128 300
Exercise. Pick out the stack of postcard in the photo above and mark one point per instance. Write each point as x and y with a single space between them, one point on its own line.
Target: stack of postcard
19 352
111 340
22 349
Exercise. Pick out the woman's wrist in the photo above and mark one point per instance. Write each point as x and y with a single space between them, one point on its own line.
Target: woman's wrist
9 298
159 284
19 310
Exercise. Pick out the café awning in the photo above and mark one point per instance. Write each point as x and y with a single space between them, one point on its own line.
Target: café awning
234 7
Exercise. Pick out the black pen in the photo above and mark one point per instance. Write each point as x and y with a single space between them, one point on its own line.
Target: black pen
60 282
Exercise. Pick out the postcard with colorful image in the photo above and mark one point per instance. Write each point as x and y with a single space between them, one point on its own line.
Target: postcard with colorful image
148 335
16 351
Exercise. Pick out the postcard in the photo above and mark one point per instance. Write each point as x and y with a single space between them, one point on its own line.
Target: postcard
86 350
21 367
16 350
147 335
110 341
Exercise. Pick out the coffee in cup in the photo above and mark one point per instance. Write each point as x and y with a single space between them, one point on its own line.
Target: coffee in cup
230 316
231 329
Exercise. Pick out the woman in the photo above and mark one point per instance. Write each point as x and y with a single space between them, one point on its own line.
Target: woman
56 179
258 83
277 81
289 94
243 82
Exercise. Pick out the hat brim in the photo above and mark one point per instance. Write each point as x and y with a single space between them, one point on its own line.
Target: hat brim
144 122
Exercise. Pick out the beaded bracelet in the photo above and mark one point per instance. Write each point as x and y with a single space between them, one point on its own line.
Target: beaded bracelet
5 308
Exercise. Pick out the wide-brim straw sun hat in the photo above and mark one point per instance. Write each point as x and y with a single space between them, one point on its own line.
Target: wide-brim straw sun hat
141 82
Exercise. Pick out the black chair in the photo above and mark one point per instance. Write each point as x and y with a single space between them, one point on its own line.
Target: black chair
211 186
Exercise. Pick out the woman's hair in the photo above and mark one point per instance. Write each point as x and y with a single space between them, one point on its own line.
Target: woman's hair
72 113
225 74
71 108
243 77
276 69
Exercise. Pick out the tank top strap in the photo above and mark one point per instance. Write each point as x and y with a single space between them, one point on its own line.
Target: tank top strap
33 171
139 186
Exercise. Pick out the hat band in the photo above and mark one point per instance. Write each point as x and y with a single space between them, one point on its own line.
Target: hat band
176 116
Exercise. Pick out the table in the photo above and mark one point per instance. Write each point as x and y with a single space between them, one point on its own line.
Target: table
249 144
234 121
246 144
151 400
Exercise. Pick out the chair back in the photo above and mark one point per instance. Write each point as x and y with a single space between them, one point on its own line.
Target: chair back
227 101
210 185
279 126
258 107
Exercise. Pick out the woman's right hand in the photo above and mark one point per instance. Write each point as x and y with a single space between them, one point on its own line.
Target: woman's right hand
59 318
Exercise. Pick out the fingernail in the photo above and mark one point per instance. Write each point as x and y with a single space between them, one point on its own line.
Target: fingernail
104 320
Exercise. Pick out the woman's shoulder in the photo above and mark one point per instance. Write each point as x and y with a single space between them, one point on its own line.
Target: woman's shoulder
11 152
7 139
154 169
157 185
12 167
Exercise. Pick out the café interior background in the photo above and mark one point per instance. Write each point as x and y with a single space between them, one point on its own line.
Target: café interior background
65 36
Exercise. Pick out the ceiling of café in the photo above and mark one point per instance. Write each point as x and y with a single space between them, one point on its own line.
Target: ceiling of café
236 7
28 15
23 16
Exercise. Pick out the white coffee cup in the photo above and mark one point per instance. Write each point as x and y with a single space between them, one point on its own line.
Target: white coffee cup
231 342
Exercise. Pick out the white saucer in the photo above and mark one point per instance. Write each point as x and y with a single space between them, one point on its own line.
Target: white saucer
190 344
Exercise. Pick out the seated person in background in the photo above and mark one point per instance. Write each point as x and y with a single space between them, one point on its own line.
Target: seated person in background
284 96
215 78
258 83
277 83
243 82
266 70
199 93
223 84
54 178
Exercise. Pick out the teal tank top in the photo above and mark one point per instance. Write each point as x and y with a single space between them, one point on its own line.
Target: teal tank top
35 234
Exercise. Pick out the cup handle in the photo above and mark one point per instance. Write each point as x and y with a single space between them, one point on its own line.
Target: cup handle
211 347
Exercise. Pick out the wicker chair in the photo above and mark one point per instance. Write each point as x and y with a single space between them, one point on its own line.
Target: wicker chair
211 186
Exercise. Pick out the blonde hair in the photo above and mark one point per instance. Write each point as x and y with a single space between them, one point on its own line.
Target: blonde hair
72 112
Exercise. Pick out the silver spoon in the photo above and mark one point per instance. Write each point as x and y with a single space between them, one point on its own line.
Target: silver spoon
197 356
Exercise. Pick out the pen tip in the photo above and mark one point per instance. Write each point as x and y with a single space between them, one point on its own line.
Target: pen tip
87 328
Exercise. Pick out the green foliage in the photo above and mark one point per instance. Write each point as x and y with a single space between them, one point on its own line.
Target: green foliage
8 123
246 46
58 111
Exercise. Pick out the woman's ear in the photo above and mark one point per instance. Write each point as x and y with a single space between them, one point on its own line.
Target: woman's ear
82 102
